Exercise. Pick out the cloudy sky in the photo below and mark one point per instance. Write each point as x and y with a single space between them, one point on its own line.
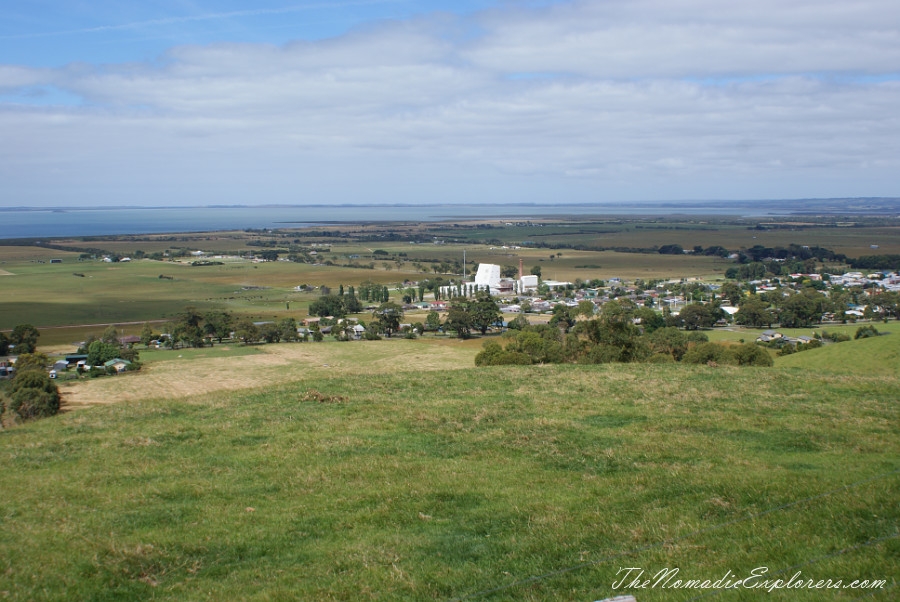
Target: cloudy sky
196 102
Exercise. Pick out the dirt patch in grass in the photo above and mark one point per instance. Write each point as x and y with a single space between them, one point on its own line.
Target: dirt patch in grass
5 273
178 378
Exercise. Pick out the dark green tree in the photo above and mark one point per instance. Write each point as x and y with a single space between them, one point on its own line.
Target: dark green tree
459 318
668 341
287 328
110 335
24 337
649 319
147 334
218 324
432 321
99 353
485 312
696 316
34 395
388 316
562 317
36 361
753 311
328 305
270 332
186 329
246 331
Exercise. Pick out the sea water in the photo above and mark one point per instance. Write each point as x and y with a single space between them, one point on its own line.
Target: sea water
70 222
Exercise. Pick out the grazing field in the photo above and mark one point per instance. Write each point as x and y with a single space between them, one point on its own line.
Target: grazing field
381 483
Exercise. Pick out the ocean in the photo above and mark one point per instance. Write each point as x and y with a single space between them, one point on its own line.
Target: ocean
73 222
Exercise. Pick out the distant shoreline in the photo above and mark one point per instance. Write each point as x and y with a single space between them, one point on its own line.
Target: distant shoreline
67 222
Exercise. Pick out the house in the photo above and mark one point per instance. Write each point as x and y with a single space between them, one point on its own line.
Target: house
358 331
772 334
129 340
118 363
61 365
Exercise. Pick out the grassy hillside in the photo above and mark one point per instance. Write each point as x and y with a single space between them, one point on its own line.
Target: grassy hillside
875 355
534 483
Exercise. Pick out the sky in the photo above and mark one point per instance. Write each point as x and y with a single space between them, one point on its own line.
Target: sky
196 102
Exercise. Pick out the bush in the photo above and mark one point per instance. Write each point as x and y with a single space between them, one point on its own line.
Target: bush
34 395
34 403
749 354
705 353
835 337
493 354
864 332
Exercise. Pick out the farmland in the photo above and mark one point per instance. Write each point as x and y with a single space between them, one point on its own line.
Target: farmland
83 290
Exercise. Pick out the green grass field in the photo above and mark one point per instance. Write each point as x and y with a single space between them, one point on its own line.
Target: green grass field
534 483
875 355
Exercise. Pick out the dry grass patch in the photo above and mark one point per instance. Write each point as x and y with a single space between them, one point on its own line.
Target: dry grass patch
276 364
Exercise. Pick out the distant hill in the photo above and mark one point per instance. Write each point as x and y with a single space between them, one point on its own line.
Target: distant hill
876 355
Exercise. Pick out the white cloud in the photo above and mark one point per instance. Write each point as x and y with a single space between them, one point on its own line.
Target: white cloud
642 110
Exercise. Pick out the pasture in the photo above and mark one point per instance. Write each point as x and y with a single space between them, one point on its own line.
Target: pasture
378 482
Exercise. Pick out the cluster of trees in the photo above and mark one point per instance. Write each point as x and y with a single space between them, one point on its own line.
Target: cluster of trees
343 303
23 338
613 336
477 314
31 394
796 309
369 291
284 329
876 262
107 347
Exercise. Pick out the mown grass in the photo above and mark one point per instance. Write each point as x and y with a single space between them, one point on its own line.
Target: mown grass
456 483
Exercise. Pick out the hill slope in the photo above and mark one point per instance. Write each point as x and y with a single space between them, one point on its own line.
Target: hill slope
874 356
458 483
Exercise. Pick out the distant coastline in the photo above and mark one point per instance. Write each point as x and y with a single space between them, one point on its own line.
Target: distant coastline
57 222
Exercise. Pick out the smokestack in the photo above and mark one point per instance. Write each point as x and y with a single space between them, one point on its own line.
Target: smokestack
521 274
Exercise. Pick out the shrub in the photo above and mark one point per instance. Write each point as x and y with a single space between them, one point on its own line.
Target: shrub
494 354
34 403
704 353
864 332
749 354
34 395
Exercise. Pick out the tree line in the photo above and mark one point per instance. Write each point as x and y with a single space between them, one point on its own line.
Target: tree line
613 336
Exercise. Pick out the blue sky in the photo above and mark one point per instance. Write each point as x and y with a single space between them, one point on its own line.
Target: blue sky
200 102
